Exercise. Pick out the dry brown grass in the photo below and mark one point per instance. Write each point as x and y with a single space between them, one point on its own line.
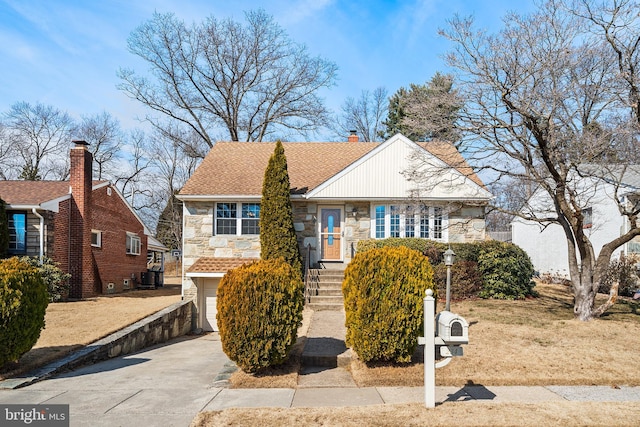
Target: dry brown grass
532 342
71 325
447 414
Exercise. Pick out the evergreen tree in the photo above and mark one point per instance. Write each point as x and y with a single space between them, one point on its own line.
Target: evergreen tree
277 235
425 112
4 230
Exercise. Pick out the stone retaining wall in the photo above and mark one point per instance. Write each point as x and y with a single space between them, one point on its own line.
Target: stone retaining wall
174 321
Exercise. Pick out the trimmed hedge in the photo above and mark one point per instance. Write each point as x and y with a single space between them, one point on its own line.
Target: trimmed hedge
465 280
506 271
383 295
503 269
259 312
23 303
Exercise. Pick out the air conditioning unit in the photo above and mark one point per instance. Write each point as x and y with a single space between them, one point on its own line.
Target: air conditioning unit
111 288
125 284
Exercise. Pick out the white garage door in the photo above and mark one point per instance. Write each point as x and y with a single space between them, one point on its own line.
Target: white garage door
210 293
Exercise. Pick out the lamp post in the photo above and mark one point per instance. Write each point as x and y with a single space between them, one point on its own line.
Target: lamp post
449 257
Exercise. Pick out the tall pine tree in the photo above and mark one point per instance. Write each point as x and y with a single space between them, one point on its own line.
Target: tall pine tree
277 235
4 230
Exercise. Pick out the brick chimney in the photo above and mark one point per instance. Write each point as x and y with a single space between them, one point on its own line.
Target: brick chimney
81 264
353 137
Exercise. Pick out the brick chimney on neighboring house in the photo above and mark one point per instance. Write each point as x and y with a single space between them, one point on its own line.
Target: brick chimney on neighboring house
353 137
81 264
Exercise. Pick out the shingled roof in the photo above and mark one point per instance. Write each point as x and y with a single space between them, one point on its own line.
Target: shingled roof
33 193
237 168
217 265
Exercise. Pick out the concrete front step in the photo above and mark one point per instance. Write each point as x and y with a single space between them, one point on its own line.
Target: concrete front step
326 306
329 292
342 360
327 299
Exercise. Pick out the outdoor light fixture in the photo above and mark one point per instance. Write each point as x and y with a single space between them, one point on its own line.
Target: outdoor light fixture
449 258
354 211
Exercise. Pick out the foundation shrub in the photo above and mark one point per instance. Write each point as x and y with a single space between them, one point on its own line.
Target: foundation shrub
23 303
383 295
259 312
415 243
506 271
465 280
57 281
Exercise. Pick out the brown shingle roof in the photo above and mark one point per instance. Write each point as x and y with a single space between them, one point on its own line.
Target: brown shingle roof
237 168
218 265
32 192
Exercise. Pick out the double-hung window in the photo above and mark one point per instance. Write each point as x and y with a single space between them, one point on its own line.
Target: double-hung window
237 218
17 232
133 244
427 222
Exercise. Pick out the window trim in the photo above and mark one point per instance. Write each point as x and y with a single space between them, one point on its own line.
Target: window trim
130 248
385 226
98 243
241 221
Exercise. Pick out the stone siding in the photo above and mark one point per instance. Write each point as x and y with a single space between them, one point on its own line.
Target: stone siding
467 225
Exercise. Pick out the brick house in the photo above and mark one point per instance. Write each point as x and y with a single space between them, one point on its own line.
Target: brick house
85 226
341 192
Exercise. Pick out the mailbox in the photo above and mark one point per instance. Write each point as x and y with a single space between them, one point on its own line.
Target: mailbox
451 328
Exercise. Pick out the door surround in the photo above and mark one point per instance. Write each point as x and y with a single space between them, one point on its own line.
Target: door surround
331 233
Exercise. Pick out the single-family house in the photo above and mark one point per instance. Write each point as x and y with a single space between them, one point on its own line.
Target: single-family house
341 192
86 226
599 193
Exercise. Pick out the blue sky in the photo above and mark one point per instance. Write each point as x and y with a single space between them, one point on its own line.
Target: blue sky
66 53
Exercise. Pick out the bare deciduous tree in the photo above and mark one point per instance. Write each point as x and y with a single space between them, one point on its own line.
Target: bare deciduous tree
172 169
364 115
38 136
549 94
249 80
105 137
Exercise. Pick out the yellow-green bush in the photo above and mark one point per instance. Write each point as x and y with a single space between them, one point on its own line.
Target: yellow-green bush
23 303
383 297
259 312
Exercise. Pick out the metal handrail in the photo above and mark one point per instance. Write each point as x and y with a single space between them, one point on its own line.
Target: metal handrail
311 277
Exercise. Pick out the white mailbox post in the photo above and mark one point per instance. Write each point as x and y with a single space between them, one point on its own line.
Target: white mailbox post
452 331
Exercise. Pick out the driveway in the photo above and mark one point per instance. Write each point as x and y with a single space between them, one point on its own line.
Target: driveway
166 385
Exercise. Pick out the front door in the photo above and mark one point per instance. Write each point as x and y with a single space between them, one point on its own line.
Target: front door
331 234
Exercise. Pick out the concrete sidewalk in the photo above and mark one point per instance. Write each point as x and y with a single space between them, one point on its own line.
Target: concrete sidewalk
354 396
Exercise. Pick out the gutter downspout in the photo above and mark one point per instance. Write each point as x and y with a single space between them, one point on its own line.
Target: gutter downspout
35 212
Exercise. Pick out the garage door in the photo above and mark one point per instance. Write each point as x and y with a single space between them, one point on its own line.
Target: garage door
210 292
